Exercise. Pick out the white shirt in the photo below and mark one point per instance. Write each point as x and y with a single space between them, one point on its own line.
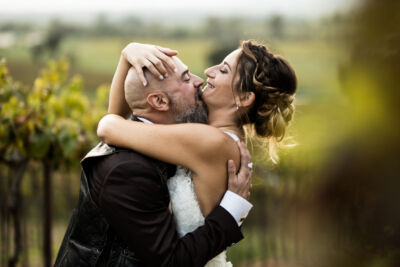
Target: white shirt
237 206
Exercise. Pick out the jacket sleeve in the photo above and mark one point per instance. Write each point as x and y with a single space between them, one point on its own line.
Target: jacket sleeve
136 206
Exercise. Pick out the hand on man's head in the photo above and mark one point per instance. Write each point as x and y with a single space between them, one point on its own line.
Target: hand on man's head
155 58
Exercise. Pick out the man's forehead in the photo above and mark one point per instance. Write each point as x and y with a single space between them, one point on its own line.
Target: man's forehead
180 65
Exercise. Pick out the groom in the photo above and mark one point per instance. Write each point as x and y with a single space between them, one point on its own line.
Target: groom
123 216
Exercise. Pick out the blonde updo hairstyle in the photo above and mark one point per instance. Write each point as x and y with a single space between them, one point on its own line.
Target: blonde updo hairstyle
273 81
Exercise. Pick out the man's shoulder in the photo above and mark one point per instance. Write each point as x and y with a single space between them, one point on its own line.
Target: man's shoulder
104 159
107 157
102 149
130 158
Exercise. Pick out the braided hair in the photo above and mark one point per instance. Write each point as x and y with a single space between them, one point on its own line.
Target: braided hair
273 82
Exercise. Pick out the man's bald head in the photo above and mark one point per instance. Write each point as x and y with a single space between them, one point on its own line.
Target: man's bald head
135 92
176 96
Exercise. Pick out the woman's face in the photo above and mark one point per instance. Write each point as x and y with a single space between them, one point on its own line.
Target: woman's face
218 89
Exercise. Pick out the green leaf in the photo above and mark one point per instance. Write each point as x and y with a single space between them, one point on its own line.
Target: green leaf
39 144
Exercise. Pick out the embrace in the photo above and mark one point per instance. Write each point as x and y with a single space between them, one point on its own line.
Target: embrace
162 189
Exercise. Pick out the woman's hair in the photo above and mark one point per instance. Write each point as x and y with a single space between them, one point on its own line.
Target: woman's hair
273 81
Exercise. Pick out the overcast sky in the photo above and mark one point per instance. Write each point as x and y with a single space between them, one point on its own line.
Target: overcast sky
213 7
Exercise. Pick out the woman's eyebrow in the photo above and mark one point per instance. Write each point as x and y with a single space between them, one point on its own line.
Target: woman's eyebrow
226 63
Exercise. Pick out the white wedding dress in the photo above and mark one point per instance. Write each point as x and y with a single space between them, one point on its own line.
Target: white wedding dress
186 209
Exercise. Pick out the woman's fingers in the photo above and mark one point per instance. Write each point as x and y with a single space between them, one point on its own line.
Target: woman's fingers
155 58
158 64
140 73
151 67
167 51
167 60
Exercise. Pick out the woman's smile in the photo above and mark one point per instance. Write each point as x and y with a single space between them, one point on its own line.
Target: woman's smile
208 86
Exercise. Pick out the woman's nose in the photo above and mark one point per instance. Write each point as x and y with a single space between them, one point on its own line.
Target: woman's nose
210 72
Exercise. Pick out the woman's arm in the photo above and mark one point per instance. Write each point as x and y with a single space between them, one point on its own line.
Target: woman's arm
117 103
194 146
139 56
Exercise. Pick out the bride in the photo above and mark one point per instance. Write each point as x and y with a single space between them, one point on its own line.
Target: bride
252 88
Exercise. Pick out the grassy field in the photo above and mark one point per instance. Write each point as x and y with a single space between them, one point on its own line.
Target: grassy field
95 59
101 55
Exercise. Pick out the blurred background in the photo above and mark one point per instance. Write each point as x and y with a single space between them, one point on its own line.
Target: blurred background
332 200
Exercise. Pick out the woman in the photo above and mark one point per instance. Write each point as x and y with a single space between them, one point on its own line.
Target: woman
251 87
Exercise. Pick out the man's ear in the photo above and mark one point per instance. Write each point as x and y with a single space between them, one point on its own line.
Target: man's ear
246 99
158 101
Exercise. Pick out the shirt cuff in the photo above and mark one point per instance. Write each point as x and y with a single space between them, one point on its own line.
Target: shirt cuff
237 206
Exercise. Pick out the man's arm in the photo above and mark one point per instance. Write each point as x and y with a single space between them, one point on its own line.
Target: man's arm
133 201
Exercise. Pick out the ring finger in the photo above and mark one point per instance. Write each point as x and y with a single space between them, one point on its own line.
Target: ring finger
150 66
159 65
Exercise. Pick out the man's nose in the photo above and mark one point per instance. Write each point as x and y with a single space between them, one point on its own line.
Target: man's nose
199 82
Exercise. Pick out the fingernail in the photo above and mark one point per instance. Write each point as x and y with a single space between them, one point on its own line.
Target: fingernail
161 77
175 70
166 75
144 83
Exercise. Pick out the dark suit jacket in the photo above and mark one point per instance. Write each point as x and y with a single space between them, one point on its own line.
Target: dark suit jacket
134 200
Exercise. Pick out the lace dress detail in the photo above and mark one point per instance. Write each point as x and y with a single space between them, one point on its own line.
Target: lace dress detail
186 210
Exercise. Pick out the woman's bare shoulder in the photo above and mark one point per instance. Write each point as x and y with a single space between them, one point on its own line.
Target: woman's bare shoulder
208 136
214 143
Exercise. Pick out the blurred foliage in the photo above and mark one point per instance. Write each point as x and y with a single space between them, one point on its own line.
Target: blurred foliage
51 123
277 25
220 51
359 195
46 121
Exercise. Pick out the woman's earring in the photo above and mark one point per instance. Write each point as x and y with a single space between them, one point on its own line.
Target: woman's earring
237 106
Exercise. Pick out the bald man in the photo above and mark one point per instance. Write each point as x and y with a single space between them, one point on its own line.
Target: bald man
173 94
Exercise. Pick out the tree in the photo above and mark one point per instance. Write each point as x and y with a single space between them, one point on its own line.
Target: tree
52 40
277 25
219 52
44 123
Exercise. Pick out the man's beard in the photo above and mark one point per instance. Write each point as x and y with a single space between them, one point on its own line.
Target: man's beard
194 113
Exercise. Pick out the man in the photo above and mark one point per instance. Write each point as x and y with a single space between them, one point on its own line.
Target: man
123 216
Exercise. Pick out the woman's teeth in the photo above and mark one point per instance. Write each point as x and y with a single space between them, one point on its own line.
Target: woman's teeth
207 86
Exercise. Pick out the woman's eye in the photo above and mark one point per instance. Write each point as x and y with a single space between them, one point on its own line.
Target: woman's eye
223 71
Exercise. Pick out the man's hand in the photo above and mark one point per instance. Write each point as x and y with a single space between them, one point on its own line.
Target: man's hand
241 183
154 58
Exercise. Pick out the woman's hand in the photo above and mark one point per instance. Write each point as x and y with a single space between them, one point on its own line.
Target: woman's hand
154 58
240 183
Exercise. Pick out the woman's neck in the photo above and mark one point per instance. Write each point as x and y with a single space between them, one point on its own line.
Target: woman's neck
225 121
